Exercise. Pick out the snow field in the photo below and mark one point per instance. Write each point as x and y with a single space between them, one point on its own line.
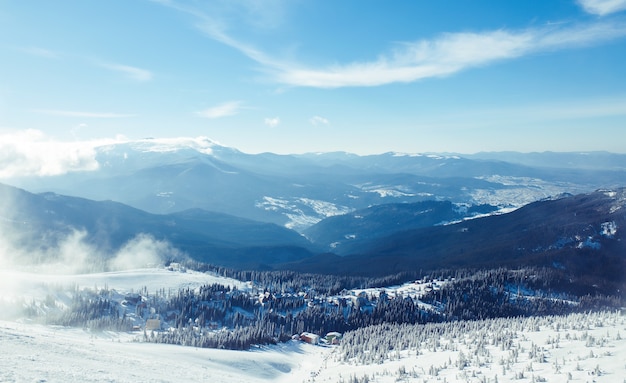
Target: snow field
36 353
574 348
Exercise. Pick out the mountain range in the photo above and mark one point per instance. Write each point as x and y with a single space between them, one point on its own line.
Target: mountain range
37 222
298 191
336 213
580 234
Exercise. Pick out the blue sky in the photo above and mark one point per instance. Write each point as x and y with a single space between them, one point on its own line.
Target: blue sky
300 76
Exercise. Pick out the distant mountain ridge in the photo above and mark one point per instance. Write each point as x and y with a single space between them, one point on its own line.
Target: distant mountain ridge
342 234
41 221
581 234
164 176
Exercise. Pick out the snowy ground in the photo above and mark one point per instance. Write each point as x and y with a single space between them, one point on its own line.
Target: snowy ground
577 348
36 353
587 353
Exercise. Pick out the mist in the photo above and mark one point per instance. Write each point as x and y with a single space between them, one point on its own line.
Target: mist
45 278
73 254
35 238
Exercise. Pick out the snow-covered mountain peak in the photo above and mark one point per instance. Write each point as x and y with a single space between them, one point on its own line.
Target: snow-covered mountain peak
200 144
424 155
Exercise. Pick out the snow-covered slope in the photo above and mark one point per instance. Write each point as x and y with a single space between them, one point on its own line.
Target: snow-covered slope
36 353
576 348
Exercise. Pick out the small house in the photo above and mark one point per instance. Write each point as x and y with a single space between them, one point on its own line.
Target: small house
333 337
310 338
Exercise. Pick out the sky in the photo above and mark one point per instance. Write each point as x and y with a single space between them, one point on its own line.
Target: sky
296 76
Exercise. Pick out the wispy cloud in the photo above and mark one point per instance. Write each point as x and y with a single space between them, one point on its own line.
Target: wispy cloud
272 122
225 109
441 56
602 7
131 72
213 27
318 120
72 113
40 52
448 54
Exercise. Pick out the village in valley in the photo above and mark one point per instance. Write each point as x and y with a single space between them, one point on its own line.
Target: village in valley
229 314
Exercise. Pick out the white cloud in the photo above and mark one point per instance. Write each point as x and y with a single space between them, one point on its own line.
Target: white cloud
30 153
272 122
317 120
134 73
413 61
73 113
222 110
448 54
602 7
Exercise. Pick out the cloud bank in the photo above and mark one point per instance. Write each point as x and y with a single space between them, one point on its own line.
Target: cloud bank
30 153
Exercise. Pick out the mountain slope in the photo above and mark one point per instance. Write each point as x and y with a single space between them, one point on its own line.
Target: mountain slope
45 220
164 176
581 234
343 234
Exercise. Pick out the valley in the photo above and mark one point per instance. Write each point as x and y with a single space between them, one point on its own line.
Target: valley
374 248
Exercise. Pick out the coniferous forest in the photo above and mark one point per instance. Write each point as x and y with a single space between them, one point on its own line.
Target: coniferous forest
281 304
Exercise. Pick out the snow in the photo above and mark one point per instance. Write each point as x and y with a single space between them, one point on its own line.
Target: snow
519 191
163 145
578 346
302 212
609 229
585 347
323 208
35 353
